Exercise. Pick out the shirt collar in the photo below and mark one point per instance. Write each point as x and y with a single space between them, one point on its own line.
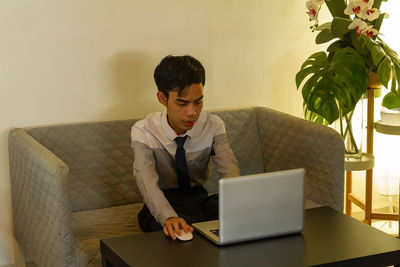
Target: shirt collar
168 131
171 134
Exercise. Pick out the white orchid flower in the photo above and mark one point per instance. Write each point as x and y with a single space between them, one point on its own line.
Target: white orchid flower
359 25
355 7
320 2
370 14
370 31
369 3
313 7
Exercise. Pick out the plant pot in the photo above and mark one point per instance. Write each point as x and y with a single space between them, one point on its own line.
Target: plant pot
351 129
374 81
390 116
352 125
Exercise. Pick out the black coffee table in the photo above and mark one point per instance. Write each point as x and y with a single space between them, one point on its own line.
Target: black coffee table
329 238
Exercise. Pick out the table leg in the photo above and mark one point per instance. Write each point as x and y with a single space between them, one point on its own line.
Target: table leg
349 189
368 196
370 149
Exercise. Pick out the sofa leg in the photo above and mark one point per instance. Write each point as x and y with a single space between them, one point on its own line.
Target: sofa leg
105 263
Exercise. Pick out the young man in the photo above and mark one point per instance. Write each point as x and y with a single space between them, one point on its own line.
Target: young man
172 150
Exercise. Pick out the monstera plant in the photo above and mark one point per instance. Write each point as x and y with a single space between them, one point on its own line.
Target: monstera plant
333 81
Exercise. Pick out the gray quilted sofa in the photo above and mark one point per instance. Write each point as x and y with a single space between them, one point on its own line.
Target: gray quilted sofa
72 185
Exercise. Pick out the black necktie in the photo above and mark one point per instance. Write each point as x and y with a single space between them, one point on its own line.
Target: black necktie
181 166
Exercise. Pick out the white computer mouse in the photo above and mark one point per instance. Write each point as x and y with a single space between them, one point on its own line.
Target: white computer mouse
184 236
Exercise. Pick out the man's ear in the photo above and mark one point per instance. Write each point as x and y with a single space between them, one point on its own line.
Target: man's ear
162 98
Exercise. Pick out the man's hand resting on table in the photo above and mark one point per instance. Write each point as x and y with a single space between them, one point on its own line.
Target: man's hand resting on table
175 225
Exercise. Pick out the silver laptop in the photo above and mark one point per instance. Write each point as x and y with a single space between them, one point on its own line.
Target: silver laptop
257 206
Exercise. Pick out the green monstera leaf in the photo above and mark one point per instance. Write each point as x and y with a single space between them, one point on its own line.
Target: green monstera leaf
332 85
391 100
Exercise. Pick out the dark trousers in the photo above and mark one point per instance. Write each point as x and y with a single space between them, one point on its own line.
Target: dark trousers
197 206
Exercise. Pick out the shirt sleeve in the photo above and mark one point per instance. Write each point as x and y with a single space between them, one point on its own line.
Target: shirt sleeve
224 159
144 171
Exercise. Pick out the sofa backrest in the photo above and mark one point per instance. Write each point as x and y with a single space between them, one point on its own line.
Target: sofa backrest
244 139
100 156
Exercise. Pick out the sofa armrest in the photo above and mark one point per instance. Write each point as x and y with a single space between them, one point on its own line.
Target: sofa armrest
289 142
40 201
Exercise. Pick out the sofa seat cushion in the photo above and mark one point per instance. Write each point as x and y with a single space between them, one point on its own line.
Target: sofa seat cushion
92 225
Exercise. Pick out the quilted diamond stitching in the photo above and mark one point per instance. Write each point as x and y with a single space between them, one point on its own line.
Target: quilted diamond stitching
100 159
43 202
292 143
243 136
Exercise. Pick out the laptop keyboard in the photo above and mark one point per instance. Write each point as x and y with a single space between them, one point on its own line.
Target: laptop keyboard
215 232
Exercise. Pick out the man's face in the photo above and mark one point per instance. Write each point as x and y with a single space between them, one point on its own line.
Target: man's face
183 111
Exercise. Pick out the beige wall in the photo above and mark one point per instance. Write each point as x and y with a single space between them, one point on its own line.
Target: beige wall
63 61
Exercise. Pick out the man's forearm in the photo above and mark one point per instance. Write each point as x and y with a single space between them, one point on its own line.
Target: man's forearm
147 181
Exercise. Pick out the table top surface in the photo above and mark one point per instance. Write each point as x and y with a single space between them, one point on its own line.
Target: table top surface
329 238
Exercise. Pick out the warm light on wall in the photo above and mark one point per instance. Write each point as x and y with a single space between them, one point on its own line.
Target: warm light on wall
389 27
387 147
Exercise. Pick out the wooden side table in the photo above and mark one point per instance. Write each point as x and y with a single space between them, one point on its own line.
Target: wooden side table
367 163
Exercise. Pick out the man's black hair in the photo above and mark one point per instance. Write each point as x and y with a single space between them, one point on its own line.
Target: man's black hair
175 73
